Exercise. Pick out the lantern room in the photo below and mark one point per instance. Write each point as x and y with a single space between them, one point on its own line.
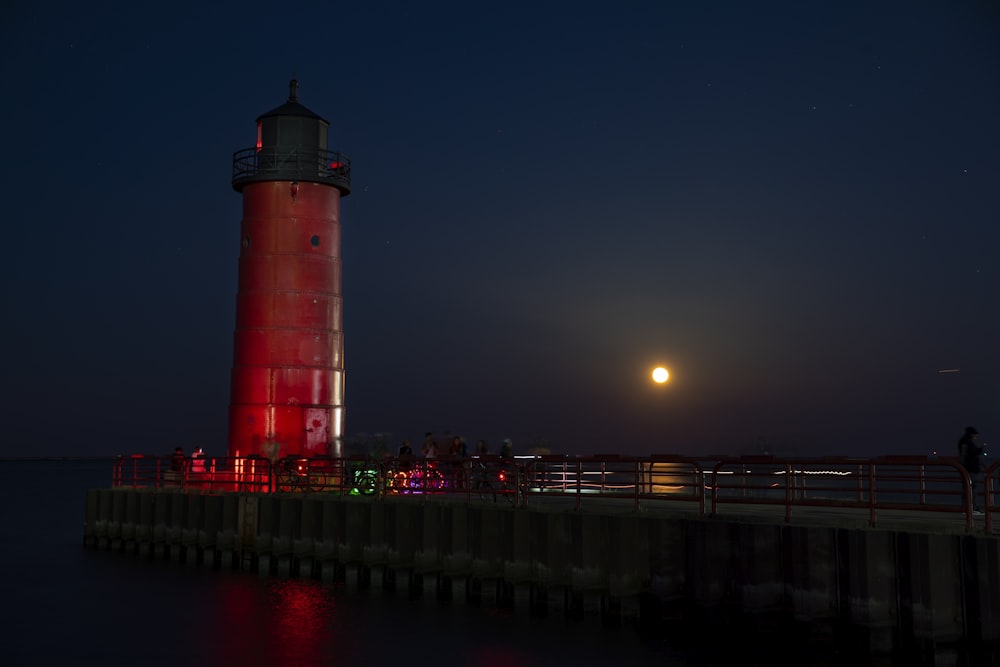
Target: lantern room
292 146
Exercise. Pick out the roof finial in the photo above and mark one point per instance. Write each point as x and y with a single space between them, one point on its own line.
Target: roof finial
293 89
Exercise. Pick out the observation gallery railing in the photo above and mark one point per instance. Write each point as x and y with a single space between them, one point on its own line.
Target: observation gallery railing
292 163
868 487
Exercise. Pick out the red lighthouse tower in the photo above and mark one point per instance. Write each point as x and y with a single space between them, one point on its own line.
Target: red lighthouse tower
287 393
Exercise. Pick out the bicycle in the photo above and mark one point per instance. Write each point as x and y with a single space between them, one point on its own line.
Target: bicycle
481 482
425 478
489 483
293 476
365 480
415 477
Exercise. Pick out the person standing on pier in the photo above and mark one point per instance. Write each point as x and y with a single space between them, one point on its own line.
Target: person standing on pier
971 453
507 449
198 460
405 454
430 448
457 455
177 461
405 449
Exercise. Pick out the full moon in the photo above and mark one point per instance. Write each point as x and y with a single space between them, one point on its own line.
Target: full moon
660 375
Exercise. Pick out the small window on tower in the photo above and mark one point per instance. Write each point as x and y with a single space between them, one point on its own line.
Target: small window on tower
315 241
260 136
246 241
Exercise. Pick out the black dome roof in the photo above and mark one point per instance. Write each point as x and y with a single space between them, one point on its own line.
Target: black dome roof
292 107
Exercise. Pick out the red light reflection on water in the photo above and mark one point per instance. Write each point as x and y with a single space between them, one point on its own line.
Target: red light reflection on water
279 623
301 612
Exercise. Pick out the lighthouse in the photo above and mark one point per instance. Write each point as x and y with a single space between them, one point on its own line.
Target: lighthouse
287 394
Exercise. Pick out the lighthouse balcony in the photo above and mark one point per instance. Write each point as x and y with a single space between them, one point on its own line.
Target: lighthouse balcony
283 163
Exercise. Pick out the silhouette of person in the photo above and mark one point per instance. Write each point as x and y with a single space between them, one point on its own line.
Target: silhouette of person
177 460
457 451
430 448
970 451
507 449
198 460
405 454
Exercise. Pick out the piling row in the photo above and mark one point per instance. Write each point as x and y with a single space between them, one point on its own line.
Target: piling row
893 586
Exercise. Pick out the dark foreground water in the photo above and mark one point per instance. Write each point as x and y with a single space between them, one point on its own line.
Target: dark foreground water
63 604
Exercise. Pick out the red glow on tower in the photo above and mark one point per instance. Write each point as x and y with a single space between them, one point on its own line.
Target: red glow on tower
288 347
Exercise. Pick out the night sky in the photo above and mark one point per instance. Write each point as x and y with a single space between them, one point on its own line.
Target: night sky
793 206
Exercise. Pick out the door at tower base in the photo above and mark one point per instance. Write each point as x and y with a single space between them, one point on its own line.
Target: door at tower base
275 432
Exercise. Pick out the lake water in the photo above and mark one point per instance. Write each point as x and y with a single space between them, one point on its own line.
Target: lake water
64 604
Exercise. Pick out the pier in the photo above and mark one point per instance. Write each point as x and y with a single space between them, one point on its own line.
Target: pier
888 548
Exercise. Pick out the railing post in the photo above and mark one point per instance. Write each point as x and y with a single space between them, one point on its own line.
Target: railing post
969 501
699 480
467 479
789 492
923 485
518 481
861 483
579 474
871 494
636 482
715 488
989 505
